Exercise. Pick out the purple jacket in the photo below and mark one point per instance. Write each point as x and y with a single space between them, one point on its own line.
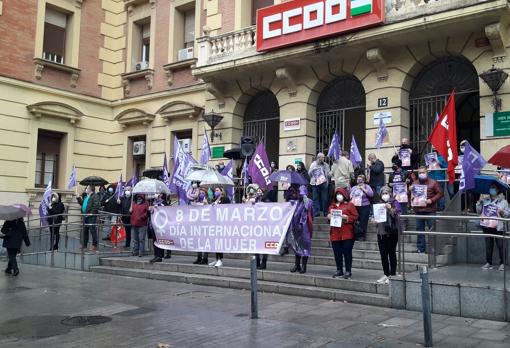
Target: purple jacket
365 200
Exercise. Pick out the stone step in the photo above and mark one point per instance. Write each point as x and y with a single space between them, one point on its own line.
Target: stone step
263 285
374 255
371 236
314 260
321 276
359 245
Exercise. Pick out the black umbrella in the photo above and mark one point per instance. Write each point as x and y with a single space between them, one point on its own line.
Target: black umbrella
234 154
153 173
94 181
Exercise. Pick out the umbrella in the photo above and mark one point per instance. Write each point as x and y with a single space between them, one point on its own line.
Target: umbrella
94 181
153 173
288 176
26 209
209 177
150 186
234 154
483 182
9 212
501 157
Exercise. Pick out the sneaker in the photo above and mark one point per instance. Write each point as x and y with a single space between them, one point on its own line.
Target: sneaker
487 267
219 263
501 268
212 264
156 259
347 275
338 274
93 248
382 280
387 281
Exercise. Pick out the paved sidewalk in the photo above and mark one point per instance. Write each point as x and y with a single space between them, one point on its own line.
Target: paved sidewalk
147 312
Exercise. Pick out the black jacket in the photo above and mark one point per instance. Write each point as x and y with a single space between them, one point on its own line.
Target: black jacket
109 203
414 158
377 174
15 233
55 213
125 204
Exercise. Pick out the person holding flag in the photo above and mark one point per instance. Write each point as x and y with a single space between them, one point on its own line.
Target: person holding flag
111 208
44 205
56 210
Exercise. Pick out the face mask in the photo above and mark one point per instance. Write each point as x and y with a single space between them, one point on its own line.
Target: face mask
139 201
462 148
395 168
273 165
201 196
259 193
194 185
360 181
217 194
298 168
422 176
493 192
54 199
385 197
128 194
251 191
110 190
340 198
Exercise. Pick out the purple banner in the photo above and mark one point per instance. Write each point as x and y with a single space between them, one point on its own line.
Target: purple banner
231 228
259 169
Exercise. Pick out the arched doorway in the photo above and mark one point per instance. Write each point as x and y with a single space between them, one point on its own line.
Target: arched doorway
341 106
262 120
429 94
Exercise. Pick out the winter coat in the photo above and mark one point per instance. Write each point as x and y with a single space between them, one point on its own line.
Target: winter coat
501 202
303 172
139 214
55 211
125 204
109 203
348 209
342 171
15 233
93 205
434 193
325 169
389 227
397 177
377 176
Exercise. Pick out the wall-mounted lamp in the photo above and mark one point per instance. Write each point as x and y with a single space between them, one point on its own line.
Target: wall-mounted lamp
494 78
212 119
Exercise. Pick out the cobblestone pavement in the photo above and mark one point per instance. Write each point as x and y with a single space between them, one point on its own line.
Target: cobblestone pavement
145 313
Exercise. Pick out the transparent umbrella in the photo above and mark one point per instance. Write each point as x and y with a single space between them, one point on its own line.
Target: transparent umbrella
209 177
150 187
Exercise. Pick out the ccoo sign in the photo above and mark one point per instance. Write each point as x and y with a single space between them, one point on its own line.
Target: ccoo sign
299 21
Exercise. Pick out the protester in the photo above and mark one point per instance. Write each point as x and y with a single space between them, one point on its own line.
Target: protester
220 197
387 235
221 166
56 210
319 173
399 176
434 194
437 172
496 202
342 238
111 208
360 197
299 236
14 232
272 195
342 171
375 173
193 192
254 195
413 155
274 166
201 199
124 204
90 205
160 200
139 216
290 168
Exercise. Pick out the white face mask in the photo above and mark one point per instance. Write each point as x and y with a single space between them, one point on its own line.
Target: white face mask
340 198
422 176
462 148
385 197
128 194
194 185
54 200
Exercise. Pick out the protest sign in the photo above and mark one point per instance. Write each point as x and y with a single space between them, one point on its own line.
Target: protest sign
336 218
400 192
405 157
380 212
489 210
419 195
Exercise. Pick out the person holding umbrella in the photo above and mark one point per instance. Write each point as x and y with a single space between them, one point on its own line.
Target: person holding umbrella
495 205
15 232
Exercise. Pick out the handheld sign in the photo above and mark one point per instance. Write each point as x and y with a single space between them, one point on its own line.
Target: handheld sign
419 195
380 212
336 218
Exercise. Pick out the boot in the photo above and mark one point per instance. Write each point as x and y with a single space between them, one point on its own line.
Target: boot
205 261
263 263
257 258
297 265
198 260
303 267
15 272
156 259
168 254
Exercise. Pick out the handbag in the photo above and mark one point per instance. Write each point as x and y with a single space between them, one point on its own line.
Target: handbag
118 232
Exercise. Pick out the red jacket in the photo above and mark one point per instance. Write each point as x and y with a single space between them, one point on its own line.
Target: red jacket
434 193
346 231
139 214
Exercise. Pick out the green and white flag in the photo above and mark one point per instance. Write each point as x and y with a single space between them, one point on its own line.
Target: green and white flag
359 7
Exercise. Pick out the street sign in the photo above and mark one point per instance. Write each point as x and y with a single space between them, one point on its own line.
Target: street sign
217 151
382 102
501 123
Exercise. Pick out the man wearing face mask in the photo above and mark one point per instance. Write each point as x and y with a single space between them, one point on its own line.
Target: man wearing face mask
414 155
376 173
111 208
434 194
90 204
124 204
319 173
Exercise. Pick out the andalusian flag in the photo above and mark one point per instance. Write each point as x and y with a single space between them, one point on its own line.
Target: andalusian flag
359 7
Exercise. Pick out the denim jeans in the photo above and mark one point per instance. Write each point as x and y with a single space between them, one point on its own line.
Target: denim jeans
421 243
343 250
139 233
320 199
90 225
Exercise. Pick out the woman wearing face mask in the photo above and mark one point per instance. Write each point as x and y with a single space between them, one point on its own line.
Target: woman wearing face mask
193 191
202 258
342 238
495 202
111 208
299 236
219 198
159 254
399 176
301 169
387 235
55 211
139 216
360 197
124 205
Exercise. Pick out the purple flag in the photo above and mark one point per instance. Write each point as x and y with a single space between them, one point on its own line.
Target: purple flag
355 156
472 163
259 168
244 173
182 165
118 190
334 148
166 176
205 154
43 206
228 172
72 179
132 182
381 134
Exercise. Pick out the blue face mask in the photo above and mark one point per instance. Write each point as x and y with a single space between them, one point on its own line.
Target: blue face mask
493 192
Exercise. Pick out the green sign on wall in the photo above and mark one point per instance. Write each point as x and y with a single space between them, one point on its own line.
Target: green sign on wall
217 151
501 122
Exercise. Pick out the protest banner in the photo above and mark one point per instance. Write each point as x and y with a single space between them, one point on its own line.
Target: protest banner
419 195
379 212
400 192
229 228
489 210
405 157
